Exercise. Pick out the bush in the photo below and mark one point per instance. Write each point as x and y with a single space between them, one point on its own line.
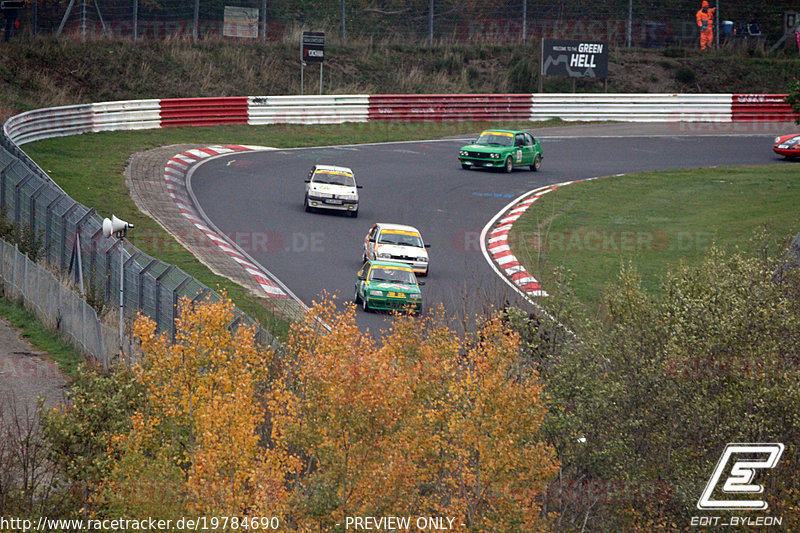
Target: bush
685 75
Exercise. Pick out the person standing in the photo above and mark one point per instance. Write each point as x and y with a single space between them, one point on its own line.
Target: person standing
705 19
10 14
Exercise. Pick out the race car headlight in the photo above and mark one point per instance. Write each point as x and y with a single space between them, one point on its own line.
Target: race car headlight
376 293
495 156
463 153
416 296
422 259
352 197
384 255
783 146
319 194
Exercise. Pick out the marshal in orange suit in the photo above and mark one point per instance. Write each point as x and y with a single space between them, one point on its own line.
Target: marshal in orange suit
705 19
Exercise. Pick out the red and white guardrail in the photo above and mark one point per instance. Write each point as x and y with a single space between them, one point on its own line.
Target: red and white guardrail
259 110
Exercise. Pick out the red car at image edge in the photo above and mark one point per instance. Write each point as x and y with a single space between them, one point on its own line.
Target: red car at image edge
787 145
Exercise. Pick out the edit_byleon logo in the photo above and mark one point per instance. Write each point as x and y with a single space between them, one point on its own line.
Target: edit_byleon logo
745 460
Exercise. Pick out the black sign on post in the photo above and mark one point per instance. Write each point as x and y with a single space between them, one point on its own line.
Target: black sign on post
312 47
576 59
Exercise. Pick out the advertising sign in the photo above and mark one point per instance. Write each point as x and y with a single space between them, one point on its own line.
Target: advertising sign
576 59
240 22
312 47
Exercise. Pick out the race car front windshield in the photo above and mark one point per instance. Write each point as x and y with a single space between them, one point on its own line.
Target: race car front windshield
334 178
394 275
494 139
397 238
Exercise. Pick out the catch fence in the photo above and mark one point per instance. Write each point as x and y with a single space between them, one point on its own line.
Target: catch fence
72 241
622 22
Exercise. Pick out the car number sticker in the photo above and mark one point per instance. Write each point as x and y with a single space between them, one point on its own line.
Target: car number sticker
519 156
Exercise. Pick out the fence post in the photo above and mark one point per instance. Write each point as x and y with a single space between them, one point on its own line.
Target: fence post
175 296
3 185
47 230
140 291
17 199
158 293
32 210
14 270
66 214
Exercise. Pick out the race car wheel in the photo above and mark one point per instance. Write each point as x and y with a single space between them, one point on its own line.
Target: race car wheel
465 167
364 305
353 214
308 207
356 297
509 166
537 163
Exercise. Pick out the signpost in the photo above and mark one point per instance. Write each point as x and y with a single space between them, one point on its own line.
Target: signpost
576 59
312 50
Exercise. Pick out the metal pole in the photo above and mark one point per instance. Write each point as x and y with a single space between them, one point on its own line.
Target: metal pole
196 19
320 79
135 19
264 20
629 29
83 21
524 21
302 71
430 23
121 290
344 24
716 26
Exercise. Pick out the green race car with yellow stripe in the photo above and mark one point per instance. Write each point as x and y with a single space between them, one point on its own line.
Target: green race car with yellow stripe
504 149
387 286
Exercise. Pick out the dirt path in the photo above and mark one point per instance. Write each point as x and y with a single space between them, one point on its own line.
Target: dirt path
26 374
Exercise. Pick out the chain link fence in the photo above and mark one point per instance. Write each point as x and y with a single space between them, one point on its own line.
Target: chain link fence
626 22
71 241
57 306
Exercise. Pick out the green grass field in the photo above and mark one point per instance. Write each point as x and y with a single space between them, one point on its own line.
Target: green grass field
654 220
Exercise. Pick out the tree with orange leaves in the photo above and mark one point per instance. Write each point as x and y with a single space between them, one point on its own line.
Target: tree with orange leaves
195 448
424 424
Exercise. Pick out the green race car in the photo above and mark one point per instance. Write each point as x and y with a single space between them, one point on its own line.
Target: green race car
504 149
386 285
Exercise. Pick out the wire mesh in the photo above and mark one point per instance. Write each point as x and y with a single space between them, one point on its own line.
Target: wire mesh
651 23
72 243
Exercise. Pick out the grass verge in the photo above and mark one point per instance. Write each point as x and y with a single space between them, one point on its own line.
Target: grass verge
64 354
654 220
91 169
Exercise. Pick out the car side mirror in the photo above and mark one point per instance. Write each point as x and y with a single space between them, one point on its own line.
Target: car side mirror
420 283
359 186
427 245
307 180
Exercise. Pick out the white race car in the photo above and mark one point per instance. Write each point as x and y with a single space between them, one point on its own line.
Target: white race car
398 243
331 187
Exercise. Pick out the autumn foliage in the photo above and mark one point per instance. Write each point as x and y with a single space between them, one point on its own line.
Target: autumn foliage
420 423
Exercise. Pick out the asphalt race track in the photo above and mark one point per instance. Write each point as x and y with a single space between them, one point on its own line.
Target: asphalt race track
257 199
